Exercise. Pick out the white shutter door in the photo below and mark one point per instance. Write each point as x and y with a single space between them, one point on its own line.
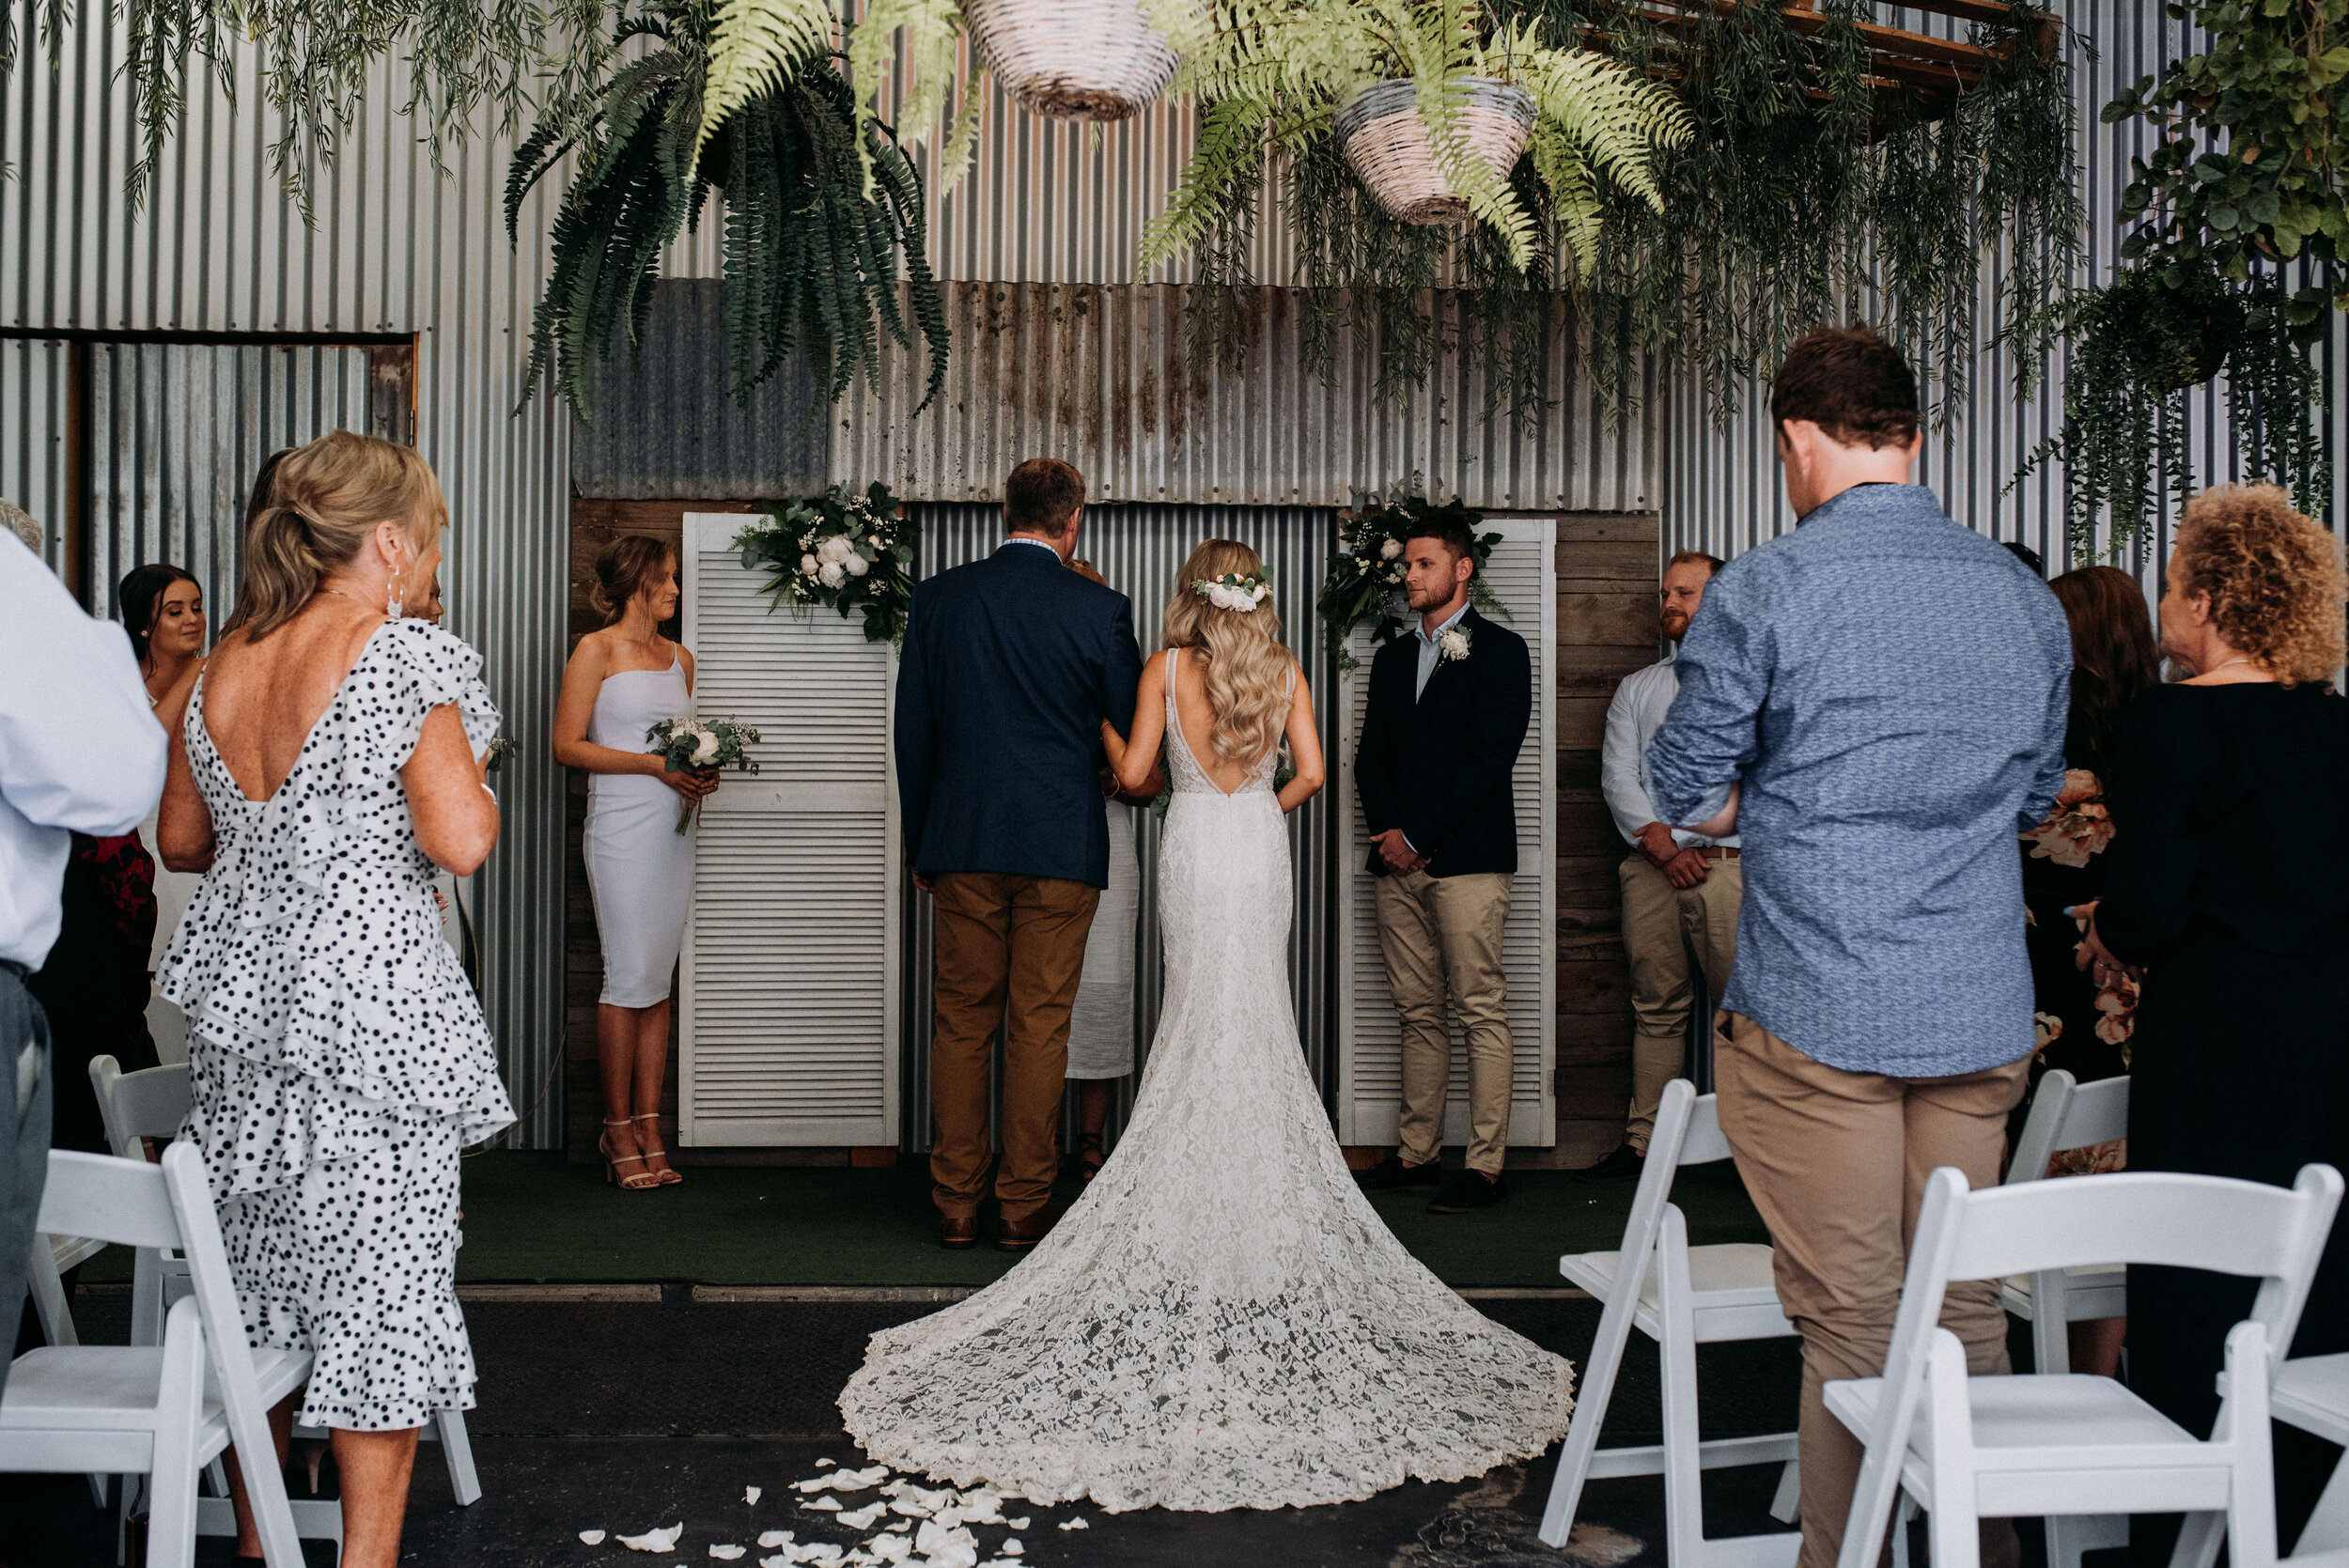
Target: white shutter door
1522 574
788 1027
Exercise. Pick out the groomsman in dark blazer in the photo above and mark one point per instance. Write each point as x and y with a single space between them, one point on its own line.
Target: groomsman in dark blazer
1011 666
1447 715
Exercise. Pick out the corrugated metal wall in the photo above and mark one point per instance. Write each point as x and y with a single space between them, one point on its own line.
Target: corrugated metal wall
217 248
1140 550
1723 492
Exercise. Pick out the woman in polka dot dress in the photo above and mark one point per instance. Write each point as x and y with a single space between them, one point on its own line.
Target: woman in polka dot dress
329 761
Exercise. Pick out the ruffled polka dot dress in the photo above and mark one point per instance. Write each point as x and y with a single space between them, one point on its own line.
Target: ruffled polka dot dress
337 1056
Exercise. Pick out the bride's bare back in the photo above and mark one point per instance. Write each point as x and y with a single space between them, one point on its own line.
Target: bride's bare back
1197 717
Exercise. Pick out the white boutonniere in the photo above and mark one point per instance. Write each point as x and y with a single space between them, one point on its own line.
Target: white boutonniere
1452 644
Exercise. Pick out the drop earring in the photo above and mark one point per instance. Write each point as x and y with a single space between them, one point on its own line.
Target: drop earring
393 608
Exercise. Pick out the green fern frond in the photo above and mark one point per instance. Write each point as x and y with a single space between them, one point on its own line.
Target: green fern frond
932 33
755 46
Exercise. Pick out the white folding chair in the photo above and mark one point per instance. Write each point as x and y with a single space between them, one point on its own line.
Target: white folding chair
2312 1394
160 1411
1681 1296
2064 1443
153 1103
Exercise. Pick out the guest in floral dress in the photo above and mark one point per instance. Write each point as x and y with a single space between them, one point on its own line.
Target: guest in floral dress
2084 1027
338 1061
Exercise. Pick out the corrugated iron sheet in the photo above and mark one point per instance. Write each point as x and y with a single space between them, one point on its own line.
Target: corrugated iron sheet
218 248
1139 550
1724 494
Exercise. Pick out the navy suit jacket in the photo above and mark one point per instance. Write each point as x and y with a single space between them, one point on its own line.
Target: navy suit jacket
1439 765
1011 664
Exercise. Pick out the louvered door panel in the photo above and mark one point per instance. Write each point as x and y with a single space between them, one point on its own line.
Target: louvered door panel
788 995
1522 574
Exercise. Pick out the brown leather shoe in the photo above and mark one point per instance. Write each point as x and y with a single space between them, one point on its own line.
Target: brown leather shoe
959 1233
1018 1235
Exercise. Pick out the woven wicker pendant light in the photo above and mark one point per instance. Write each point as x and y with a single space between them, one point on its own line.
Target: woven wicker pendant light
1386 144
1073 59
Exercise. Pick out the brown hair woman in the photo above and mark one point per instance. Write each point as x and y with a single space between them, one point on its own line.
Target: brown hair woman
337 1058
620 682
2228 886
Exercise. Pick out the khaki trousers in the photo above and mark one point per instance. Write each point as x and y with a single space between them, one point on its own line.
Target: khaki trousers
1836 1162
1009 952
1442 935
1661 924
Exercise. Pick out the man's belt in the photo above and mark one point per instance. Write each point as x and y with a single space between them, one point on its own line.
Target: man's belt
1715 851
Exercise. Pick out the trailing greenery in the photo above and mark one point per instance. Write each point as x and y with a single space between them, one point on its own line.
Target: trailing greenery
2240 238
1800 192
812 250
1364 580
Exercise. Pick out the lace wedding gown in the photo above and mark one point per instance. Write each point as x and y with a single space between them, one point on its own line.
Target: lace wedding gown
1221 1321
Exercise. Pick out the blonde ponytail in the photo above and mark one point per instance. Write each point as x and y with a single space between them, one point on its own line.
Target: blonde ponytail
1241 660
322 504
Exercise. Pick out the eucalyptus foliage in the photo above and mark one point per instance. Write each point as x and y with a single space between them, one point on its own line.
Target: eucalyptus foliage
2239 237
820 204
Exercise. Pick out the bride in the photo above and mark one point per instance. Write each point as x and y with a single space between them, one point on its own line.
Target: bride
1221 1321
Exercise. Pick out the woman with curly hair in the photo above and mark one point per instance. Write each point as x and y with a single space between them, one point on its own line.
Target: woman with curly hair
2228 884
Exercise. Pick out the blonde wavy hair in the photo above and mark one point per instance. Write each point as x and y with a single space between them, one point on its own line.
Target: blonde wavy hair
320 511
1242 658
2274 578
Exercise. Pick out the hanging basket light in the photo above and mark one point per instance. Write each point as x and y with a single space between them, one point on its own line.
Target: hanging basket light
1073 59
1386 144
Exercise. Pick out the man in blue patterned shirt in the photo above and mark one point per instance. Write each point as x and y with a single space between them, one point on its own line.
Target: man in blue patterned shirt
1877 703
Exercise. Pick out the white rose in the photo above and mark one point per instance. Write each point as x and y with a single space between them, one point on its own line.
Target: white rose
831 548
1221 597
831 574
705 750
1391 548
856 565
807 566
1261 589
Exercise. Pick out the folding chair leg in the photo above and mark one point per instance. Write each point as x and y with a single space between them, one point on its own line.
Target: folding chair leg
1955 1535
457 1448
1683 1474
1904 1513
1787 1505
171 1484
1590 1411
2328 1526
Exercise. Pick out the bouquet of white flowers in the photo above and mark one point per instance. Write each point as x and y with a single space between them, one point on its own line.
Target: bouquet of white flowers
844 549
688 745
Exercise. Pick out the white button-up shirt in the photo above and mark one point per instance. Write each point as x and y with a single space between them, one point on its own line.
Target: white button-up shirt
80 750
1430 647
1633 717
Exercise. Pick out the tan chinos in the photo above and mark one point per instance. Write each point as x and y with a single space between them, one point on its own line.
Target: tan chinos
1010 950
1441 936
1661 925
1836 1161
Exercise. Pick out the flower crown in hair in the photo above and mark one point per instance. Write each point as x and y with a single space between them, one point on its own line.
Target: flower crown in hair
1234 592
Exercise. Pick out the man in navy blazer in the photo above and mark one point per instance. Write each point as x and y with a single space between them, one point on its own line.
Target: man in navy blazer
1448 709
1011 666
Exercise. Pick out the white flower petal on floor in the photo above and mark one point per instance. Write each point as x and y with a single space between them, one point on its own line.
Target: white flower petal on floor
1020 1523
776 1538
725 1554
857 1480
1012 1547
655 1540
865 1517
909 1506
1074 1524
817 1483
826 1464
890 1548
902 1524
752 1494
591 1537
823 1505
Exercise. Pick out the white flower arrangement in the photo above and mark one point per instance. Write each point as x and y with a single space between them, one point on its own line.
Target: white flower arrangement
1234 592
845 550
687 744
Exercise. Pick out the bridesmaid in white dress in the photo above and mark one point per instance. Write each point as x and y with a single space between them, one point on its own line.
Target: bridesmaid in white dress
1101 1020
620 682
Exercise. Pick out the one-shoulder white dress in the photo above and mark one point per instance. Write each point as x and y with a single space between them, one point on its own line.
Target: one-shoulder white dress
1222 1320
337 1056
640 868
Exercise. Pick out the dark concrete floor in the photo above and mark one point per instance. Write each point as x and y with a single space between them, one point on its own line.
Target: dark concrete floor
623 1416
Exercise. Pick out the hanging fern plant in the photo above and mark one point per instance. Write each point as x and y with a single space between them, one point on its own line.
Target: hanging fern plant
2241 242
821 208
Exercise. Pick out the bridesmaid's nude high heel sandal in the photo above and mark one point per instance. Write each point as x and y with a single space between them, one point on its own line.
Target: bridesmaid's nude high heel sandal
635 1181
662 1174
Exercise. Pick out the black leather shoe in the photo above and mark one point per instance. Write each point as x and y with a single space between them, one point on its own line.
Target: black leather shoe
1625 1161
1391 1174
958 1233
1469 1191
1019 1235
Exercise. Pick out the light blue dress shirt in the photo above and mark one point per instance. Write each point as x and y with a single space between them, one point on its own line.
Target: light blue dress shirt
1891 689
1633 717
1430 650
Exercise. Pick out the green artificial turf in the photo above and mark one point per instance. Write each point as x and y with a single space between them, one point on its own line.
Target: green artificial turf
535 1218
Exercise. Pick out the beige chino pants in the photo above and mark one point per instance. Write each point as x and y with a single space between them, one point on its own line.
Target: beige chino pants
1662 924
1837 1162
1442 935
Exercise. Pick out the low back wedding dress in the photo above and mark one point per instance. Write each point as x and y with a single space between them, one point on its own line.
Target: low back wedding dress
1221 1321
